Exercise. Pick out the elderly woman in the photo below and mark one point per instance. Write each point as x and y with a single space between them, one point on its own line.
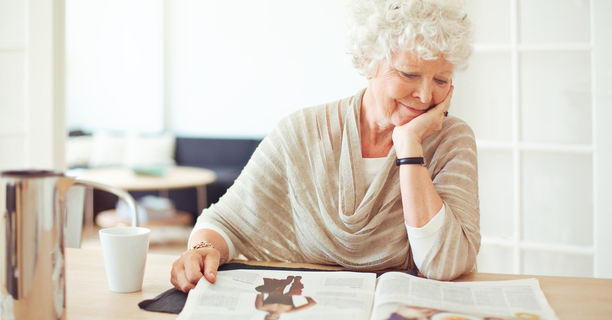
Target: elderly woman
382 179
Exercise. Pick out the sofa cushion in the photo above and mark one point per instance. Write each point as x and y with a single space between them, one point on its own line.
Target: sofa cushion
227 157
207 152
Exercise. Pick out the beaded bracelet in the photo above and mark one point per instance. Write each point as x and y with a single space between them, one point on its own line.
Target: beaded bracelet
202 244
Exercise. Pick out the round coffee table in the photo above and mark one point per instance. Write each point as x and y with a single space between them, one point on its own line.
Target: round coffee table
178 177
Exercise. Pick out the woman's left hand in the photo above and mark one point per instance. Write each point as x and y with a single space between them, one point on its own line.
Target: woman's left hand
412 134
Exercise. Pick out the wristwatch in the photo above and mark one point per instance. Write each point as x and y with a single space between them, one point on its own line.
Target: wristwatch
412 160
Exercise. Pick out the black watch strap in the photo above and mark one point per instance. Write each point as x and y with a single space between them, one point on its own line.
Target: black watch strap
413 160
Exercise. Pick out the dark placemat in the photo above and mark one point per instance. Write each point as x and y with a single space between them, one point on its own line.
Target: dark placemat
173 300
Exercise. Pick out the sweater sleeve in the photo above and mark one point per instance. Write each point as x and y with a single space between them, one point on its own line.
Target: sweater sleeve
233 253
422 239
258 197
452 163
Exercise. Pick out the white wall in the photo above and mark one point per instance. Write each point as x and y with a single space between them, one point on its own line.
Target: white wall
231 69
114 69
535 95
237 67
32 130
602 99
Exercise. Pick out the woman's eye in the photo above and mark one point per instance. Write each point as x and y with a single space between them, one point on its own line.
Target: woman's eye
441 81
410 75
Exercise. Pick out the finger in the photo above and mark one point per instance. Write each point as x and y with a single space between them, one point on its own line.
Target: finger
178 278
445 104
449 95
182 283
194 263
211 264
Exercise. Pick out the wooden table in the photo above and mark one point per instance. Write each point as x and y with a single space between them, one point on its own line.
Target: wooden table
88 296
571 298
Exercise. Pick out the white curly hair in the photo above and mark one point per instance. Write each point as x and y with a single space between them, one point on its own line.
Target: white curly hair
431 28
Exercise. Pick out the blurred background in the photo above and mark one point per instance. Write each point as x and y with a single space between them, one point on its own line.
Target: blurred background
537 92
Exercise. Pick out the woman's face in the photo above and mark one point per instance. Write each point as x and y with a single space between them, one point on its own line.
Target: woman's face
408 86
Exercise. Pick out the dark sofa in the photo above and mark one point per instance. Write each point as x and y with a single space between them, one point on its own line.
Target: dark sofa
225 156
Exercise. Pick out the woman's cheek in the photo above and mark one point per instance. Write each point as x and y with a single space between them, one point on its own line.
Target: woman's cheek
440 94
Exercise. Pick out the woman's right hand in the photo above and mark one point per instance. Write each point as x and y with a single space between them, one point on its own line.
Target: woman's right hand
412 134
192 265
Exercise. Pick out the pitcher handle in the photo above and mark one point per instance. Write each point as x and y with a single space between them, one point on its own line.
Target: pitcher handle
125 196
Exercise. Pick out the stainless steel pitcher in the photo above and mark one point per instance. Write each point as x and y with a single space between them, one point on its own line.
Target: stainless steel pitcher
32 243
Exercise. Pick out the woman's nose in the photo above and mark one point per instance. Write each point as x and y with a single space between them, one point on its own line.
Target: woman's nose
423 92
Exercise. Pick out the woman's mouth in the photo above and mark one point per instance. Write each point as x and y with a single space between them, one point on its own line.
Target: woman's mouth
413 110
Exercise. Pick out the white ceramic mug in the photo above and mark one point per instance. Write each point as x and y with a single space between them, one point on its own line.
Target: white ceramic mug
125 256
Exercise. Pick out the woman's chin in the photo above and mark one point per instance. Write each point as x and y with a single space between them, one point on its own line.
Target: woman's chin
403 121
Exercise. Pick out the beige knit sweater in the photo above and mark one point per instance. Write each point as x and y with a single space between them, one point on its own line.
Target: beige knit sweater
301 197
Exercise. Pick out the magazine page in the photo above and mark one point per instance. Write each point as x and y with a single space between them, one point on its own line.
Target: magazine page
400 296
271 294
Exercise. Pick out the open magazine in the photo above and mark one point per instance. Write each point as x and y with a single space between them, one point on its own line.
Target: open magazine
336 295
